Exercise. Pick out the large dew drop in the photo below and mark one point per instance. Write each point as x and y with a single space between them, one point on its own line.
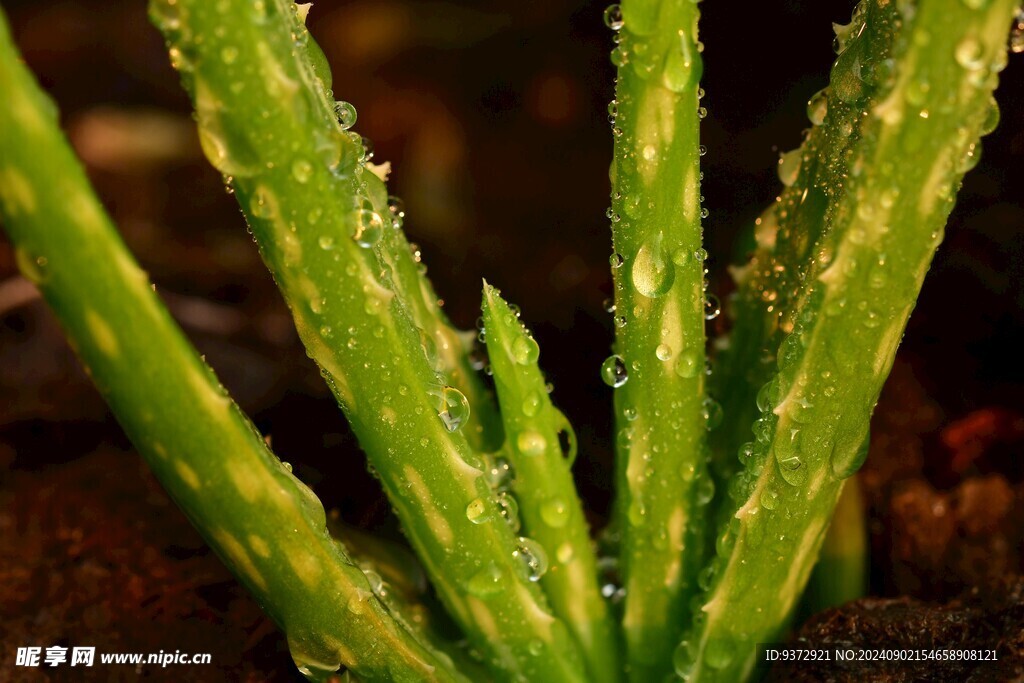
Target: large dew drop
508 506
534 558
845 461
817 107
525 350
613 17
652 272
452 407
485 582
530 442
226 149
477 511
789 166
555 513
614 372
312 658
369 226
689 364
346 114
683 65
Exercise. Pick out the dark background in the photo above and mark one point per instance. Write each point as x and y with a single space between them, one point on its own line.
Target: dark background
494 117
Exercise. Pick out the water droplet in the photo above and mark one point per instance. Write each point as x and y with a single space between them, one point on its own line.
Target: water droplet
688 364
789 166
719 652
970 158
663 352
769 499
535 647
531 404
226 150
620 321
652 273
683 659
613 371
792 468
533 557
846 460
367 149
712 413
166 14
397 208
263 203
302 170
767 395
314 659
358 602
970 54
846 80
991 117
683 65
326 242
429 345
525 350
530 442
702 113
485 582
369 226
702 150
615 260
704 490
180 59
650 152
681 257
452 407
508 506
555 513
613 17
630 413
376 582
477 511
817 107
498 473
712 307
346 114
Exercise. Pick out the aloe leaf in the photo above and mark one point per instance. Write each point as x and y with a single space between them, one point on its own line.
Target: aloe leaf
320 215
658 368
205 452
920 136
542 483
787 234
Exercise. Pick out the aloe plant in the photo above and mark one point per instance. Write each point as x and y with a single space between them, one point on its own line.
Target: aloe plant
715 533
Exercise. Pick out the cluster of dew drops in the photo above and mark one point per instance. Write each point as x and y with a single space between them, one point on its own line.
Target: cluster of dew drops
500 476
453 407
614 371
